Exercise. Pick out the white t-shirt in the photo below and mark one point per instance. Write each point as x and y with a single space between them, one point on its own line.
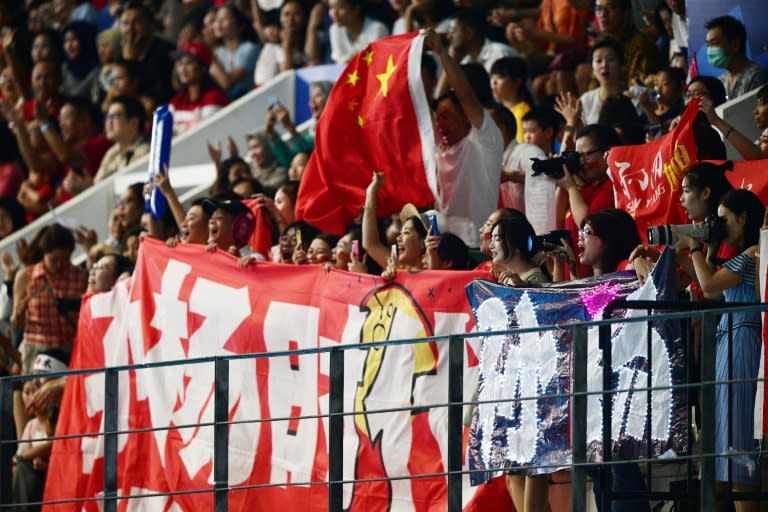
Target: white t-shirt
343 48
398 28
469 173
511 193
680 30
270 60
590 106
539 191
490 53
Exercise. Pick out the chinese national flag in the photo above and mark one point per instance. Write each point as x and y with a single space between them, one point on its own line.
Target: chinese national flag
647 178
376 118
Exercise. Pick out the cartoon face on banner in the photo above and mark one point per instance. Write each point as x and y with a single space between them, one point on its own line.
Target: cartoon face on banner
183 303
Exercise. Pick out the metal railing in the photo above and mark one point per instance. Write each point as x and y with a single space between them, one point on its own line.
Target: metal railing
335 482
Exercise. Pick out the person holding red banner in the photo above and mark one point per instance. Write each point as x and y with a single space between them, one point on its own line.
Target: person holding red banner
748 149
47 297
738 341
319 250
231 223
470 154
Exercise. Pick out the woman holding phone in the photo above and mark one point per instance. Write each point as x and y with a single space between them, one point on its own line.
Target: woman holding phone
409 250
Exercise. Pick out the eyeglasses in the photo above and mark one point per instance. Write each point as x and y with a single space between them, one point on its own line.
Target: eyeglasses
114 115
585 233
587 154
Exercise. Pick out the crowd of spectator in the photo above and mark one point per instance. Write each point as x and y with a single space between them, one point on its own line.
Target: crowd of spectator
508 82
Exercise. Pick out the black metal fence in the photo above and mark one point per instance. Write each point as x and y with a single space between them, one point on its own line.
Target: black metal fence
701 380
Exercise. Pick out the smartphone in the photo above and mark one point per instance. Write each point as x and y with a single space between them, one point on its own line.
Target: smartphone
434 231
298 238
655 131
394 252
356 249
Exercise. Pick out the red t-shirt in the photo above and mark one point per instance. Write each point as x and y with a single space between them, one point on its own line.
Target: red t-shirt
93 150
188 113
598 195
28 108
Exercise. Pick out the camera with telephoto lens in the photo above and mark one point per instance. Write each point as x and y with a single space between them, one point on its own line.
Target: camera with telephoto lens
711 230
553 167
548 241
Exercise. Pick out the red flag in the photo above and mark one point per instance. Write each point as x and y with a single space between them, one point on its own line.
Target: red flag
376 118
646 178
693 69
261 239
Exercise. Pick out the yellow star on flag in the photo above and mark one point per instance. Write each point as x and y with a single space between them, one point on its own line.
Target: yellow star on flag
360 121
353 77
368 57
384 77
352 105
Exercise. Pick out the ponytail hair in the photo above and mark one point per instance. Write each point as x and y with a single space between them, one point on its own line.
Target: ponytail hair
708 175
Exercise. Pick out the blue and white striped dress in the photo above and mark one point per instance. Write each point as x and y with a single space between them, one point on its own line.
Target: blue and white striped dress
745 354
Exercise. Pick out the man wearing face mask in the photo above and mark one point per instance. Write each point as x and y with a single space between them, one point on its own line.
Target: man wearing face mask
727 49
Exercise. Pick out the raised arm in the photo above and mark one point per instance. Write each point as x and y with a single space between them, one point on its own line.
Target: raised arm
746 148
371 240
456 80
28 154
164 184
312 43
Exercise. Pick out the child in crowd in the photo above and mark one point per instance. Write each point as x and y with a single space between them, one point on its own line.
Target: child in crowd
669 99
540 128
509 76
607 65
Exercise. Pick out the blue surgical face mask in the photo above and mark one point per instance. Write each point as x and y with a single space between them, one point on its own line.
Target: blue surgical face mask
717 57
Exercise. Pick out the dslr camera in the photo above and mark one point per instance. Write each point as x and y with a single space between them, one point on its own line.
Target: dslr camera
548 241
711 230
553 167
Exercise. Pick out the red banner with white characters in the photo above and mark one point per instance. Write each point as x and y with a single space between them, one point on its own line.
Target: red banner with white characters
751 175
646 178
186 303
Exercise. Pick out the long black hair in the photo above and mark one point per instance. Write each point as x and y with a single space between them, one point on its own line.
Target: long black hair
741 201
617 229
712 176
514 232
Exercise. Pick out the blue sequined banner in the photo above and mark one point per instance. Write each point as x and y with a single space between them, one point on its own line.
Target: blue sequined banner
509 431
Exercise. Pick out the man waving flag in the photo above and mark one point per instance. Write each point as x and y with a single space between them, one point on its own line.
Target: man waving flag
377 118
